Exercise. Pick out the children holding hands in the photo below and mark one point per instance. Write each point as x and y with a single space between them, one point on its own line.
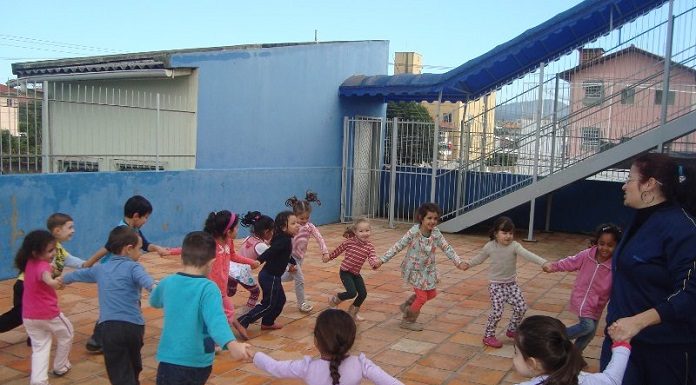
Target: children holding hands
334 335
358 249
119 282
418 267
592 284
503 251
187 345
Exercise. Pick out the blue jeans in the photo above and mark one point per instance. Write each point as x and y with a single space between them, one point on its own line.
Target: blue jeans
583 332
170 374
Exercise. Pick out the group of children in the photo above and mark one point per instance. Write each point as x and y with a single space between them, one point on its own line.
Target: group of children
199 315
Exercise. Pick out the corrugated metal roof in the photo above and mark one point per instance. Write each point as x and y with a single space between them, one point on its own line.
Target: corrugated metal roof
88 68
132 61
506 62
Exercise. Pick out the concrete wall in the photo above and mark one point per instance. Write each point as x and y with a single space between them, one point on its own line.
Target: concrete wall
181 201
269 107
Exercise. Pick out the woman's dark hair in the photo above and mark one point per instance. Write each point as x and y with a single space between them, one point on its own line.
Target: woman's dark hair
607 228
334 334
281 220
501 224
257 222
544 338
120 237
426 208
220 222
33 244
677 182
303 206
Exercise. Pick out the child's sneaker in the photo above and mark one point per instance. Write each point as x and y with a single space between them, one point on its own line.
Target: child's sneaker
62 372
333 302
275 326
306 307
492 342
511 334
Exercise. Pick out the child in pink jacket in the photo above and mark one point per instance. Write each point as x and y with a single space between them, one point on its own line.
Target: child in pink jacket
592 283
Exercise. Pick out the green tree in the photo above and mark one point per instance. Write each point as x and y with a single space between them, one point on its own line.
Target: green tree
415 137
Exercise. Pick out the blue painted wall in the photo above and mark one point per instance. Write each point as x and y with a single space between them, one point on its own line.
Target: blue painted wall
181 201
279 106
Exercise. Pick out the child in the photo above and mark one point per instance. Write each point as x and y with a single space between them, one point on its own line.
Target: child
275 261
136 213
592 283
42 317
502 273
62 228
358 248
223 226
418 267
187 345
119 283
302 210
334 334
544 352
252 246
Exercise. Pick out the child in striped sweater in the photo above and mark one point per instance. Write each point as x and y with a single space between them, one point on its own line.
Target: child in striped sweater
357 248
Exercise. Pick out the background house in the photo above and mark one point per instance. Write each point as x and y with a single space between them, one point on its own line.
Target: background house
617 95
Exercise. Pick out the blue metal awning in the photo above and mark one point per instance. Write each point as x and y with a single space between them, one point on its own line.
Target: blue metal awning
508 61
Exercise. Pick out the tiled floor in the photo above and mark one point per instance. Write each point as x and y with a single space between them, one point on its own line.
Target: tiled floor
448 351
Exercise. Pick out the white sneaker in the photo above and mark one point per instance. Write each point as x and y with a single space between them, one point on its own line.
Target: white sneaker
306 307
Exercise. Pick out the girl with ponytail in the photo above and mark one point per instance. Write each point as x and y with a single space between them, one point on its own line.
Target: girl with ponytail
544 351
334 334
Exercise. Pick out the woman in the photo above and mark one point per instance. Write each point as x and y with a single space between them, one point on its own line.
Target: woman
653 299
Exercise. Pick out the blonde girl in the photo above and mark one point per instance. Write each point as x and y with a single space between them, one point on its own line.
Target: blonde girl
358 249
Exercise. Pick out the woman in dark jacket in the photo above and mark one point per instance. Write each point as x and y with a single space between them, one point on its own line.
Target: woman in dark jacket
653 299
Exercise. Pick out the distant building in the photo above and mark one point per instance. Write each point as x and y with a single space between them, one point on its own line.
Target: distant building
9 110
617 95
455 117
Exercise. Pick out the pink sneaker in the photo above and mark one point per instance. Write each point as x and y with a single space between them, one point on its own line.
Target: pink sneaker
511 334
492 342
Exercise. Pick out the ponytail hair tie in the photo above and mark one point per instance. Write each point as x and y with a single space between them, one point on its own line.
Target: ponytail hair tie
680 171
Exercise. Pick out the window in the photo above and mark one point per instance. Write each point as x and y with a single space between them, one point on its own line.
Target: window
77 166
9 102
628 95
590 138
594 92
670 97
447 117
123 165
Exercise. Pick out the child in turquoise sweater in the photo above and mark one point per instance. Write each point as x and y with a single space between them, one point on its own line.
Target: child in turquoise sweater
190 334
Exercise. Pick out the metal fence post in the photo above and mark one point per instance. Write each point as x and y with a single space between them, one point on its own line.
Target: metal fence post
535 173
344 171
157 134
436 150
46 141
461 174
667 67
392 171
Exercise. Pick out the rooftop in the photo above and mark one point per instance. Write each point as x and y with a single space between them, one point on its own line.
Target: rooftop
448 351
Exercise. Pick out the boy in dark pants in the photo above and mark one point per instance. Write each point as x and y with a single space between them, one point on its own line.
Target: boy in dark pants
187 345
136 213
121 321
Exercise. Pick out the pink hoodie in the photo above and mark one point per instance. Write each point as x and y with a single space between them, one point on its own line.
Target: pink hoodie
592 283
